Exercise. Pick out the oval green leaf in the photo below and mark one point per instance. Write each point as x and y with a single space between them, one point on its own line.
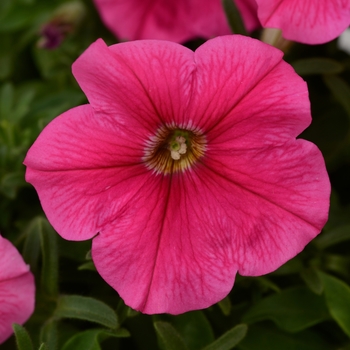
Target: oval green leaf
293 309
230 339
85 308
337 295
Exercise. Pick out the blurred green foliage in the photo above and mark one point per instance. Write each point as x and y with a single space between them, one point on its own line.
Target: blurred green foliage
303 305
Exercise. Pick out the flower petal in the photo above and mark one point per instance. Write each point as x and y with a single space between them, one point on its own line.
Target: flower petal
138 83
11 262
306 21
82 167
179 20
168 252
243 89
17 289
279 197
179 244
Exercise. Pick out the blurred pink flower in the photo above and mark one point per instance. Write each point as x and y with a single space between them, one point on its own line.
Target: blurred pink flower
184 168
17 289
306 21
178 20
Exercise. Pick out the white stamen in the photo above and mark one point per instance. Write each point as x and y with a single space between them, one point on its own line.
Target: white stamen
183 148
180 139
175 155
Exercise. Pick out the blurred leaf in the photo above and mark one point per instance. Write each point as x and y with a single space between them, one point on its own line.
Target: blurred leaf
312 280
90 340
194 328
168 337
124 311
261 337
317 65
31 249
85 308
17 17
225 306
293 309
23 340
337 263
87 266
234 17
6 64
49 334
49 272
230 339
6 100
267 284
290 267
337 295
43 347
23 102
331 237
340 90
11 182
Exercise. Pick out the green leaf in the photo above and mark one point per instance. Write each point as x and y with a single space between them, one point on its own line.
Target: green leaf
337 295
32 244
6 65
339 264
334 236
290 267
312 280
6 100
43 347
168 337
267 337
25 97
87 266
225 306
234 17
317 65
49 272
85 308
293 309
91 339
230 339
23 340
49 334
11 182
193 328
340 90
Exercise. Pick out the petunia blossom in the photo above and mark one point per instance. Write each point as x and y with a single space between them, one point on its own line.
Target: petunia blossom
17 289
175 20
306 21
184 168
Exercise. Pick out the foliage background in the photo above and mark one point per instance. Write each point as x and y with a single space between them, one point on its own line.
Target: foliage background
304 305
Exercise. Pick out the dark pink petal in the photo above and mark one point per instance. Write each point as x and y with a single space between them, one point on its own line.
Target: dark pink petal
245 87
85 168
306 21
249 13
144 83
169 251
281 195
180 243
17 289
174 20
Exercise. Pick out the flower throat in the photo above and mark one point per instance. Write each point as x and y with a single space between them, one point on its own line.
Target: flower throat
173 149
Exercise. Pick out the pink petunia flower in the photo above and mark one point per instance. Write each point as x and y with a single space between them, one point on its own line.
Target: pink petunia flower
306 21
17 289
175 20
184 168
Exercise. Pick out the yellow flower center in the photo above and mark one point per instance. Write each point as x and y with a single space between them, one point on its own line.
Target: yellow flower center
173 149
